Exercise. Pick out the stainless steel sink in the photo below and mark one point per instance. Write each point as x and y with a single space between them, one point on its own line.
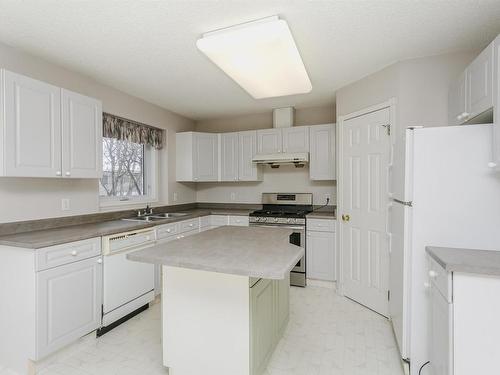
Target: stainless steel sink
170 215
156 217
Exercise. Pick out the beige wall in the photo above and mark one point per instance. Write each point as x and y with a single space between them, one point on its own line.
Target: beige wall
284 179
26 199
303 116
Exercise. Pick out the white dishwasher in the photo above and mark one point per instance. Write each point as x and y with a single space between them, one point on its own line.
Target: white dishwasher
128 286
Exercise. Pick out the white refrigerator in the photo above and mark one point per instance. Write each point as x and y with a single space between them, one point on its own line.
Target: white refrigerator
444 195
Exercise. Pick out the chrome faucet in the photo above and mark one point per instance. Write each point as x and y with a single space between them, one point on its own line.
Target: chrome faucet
147 211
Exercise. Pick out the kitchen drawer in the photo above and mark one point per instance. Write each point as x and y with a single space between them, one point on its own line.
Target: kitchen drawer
218 220
186 234
204 221
238 221
321 225
440 279
188 225
54 256
165 231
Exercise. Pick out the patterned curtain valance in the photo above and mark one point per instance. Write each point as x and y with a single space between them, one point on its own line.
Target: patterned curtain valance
131 131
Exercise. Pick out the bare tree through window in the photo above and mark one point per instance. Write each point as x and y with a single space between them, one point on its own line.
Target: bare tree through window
123 169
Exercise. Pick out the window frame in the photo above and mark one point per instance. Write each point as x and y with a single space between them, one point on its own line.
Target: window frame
151 178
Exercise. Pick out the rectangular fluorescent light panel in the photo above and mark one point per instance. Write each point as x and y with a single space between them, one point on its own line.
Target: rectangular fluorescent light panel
261 56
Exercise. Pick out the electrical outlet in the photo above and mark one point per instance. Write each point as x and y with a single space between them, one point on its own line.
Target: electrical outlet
328 197
65 204
175 197
233 196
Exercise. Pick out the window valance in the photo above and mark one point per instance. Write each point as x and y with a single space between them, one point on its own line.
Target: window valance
131 131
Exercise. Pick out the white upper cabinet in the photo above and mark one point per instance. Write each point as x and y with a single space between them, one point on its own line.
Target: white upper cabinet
247 170
472 93
197 157
322 152
32 128
269 141
296 139
48 131
229 156
82 136
479 84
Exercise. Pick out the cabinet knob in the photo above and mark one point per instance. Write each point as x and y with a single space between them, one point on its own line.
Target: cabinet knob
492 164
432 274
169 230
58 173
191 224
74 253
68 173
99 260
427 285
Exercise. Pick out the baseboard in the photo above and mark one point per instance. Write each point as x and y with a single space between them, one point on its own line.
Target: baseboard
322 283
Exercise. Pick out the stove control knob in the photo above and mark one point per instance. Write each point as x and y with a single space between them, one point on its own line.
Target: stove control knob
275 219
290 221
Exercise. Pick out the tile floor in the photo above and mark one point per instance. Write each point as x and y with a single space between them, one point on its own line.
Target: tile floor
327 335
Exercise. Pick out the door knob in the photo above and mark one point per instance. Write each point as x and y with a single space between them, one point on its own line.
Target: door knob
346 218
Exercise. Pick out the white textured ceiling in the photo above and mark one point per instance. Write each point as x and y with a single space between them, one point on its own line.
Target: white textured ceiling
147 48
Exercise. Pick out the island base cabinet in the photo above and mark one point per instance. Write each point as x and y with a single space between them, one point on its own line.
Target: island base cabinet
215 323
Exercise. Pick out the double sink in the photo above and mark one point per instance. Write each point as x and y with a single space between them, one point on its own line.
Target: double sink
157 217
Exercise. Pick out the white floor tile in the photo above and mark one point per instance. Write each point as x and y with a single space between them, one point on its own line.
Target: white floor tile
327 335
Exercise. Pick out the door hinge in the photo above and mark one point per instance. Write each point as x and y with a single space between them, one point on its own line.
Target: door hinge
387 128
388 295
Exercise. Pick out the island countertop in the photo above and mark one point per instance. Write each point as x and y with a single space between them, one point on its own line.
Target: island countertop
247 251
486 262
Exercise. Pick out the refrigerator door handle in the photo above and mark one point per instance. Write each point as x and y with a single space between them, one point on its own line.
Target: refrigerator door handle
404 203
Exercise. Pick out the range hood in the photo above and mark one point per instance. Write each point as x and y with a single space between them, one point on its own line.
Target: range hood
299 159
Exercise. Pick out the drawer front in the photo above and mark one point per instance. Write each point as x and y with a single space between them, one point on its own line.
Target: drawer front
321 225
188 225
54 256
440 279
186 234
238 220
204 221
165 231
218 220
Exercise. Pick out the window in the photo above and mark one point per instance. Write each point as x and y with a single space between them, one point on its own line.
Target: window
129 172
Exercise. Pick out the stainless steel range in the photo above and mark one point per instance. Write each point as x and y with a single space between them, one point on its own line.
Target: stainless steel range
287 210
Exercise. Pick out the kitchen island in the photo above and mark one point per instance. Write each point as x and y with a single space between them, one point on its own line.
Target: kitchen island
225 298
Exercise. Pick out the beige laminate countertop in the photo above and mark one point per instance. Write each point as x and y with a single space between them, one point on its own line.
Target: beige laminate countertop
51 237
329 215
245 251
485 262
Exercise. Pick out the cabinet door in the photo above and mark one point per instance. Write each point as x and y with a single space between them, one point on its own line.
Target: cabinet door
68 304
229 156
457 97
282 298
206 158
32 127
322 152
320 256
269 141
440 334
296 139
82 136
262 324
479 83
248 171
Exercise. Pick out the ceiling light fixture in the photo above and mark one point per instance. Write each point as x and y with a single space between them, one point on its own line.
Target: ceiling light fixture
261 56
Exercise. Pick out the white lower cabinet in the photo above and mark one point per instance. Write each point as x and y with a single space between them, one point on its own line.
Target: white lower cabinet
464 326
241 221
68 304
320 250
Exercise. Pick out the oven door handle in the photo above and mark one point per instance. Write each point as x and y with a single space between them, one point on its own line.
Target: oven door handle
301 228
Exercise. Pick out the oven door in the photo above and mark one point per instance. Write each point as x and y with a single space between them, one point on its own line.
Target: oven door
296 238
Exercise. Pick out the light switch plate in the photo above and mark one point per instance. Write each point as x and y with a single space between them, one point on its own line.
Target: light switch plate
233 196
65 204
175 197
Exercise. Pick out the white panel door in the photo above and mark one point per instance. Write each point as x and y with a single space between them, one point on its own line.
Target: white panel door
269 141
82 136
229 156
320 255
322 152
247 171
32 127
296 139
206 158
68 304
479 83
365 252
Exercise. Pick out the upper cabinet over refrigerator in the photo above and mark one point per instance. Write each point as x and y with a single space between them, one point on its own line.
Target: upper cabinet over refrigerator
46 131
